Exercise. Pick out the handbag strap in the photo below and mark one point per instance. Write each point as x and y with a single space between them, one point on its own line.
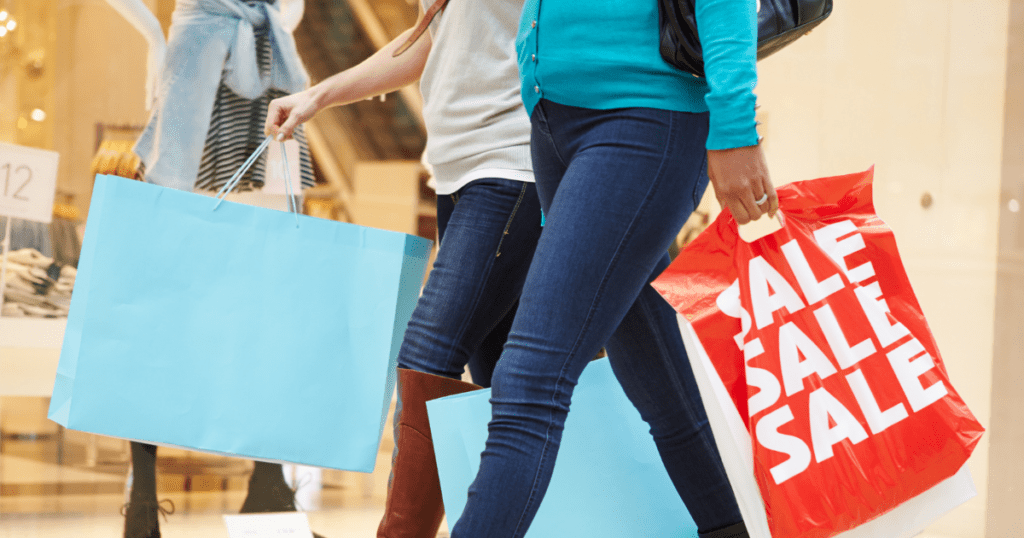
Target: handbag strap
421 27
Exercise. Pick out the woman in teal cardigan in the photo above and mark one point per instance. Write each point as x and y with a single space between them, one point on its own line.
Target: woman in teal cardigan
623 146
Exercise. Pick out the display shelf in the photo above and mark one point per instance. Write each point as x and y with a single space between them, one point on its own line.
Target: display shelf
39 333
29 353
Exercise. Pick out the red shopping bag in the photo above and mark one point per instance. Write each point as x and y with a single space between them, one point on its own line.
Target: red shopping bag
819 340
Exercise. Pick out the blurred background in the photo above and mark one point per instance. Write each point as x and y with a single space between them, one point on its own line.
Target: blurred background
929 92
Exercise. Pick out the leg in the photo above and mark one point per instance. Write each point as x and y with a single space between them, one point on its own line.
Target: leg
482 362
647 345
488 233
414 506
616 186
268 490
489 230
142 513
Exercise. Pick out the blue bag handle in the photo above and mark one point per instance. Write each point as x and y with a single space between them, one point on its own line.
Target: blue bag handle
233 182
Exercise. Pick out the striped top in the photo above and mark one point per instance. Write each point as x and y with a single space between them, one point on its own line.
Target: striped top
236 130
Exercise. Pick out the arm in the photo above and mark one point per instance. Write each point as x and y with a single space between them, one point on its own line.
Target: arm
736 163
378 74
135 12
291 13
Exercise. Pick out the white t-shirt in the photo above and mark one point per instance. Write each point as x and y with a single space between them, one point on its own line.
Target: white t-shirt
476 123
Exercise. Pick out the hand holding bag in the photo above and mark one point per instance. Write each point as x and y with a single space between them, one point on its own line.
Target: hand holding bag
779 23
814 342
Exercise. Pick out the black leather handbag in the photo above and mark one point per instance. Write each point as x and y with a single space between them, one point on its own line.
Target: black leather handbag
779 23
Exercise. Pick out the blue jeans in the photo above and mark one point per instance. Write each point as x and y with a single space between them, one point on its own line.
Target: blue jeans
488 232
616 187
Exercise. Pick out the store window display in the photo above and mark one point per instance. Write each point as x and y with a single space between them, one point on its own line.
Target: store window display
207 88
40 268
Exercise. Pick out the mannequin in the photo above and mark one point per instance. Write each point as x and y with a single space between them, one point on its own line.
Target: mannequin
209 84
207 90
139 15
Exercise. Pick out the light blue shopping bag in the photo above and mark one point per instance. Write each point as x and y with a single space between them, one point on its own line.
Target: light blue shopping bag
236 330
608 480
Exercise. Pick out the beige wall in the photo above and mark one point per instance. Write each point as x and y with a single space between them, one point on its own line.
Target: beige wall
1007 428
915 88
101 65
386 195
27 74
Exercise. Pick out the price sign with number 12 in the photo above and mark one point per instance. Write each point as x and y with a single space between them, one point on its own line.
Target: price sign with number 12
28 179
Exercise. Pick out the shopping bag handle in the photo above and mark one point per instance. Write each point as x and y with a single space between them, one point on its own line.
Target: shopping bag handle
233 182
237 177
288 183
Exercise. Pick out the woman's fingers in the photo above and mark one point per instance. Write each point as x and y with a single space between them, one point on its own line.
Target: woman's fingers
740 178
277 113
285 114
739 212
773 199
288 127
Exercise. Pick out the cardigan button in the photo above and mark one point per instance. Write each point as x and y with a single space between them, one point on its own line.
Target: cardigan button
536 89
533 24
533 57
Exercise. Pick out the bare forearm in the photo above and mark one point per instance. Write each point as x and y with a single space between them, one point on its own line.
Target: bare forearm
378 74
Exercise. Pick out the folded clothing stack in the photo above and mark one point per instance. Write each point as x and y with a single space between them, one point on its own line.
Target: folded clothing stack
36 286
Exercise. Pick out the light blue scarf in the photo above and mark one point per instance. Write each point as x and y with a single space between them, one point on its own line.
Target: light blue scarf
210 41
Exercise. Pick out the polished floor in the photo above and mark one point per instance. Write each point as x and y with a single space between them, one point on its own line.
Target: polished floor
57 483
47 500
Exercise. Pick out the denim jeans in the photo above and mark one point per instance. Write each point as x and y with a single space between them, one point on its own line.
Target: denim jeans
488 232
616 186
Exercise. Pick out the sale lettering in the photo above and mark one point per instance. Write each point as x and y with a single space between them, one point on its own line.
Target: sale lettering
801 356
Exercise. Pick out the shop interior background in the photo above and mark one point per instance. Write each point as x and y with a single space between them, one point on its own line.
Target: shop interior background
930 92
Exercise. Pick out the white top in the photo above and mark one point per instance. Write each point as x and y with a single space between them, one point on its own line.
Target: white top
476 123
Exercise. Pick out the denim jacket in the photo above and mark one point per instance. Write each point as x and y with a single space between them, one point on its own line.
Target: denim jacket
210 41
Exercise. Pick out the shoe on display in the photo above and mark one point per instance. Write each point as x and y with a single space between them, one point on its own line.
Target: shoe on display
142 518
268 492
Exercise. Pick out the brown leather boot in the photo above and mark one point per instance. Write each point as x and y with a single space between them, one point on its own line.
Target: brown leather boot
414 508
